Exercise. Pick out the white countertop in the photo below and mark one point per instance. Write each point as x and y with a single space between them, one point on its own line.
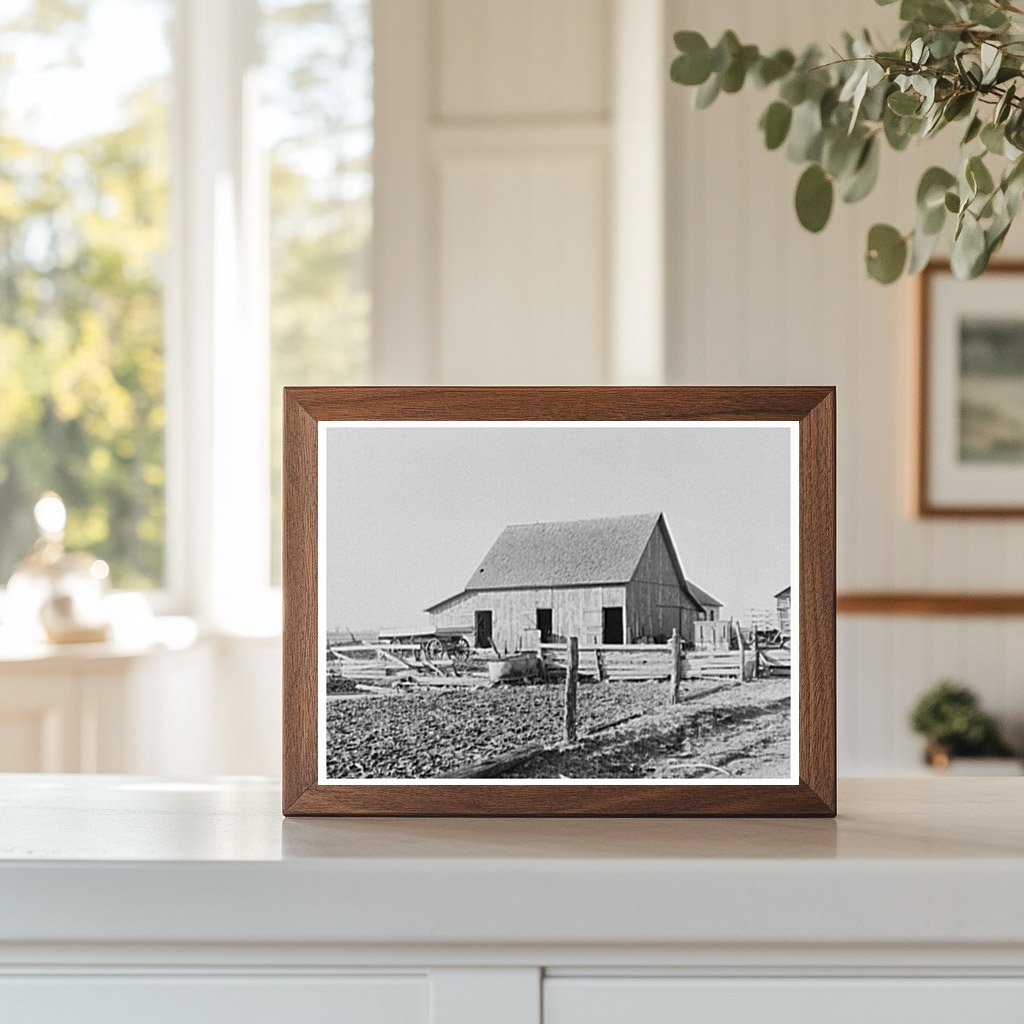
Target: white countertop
121 859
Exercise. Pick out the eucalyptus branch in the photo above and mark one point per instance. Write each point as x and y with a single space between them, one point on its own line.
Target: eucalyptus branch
955 61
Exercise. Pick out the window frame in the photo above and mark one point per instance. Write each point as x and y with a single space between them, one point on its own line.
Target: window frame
215 318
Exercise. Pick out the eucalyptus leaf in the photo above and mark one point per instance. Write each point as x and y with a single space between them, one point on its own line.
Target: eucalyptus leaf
993 138
900 130
991 61
775 124
865 173
932 221
1005 105
1013 187
707 93
805 133
903 103
933 122
794 88
931 191
724 51
873 107
771 69
973 130
922 247
968 248
886 253
687 70
987 15
735 74
978 176
814 197
1014 193
840 152
958 105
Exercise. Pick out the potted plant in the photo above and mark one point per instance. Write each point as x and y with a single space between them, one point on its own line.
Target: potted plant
950 718
956 62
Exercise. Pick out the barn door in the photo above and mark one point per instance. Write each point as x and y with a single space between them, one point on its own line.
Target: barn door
612 631
544 624
484 627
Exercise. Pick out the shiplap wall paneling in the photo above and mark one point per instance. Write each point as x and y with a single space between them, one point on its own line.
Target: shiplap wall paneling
751 298
522 203
529 59
522 278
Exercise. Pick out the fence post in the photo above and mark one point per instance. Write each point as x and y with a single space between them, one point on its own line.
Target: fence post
742 645
675 647
572 665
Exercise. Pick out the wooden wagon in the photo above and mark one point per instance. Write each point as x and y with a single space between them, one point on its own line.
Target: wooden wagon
432 643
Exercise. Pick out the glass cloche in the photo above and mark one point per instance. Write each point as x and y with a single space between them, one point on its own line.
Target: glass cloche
56 595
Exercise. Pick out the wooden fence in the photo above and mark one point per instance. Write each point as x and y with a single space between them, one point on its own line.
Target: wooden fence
623 662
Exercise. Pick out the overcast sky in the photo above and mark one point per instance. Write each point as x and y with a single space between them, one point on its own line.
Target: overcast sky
411 511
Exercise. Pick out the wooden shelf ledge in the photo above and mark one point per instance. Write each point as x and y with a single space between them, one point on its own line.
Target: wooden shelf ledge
913 603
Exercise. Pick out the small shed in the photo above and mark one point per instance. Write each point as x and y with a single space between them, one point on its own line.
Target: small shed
783 604
612 580
711 607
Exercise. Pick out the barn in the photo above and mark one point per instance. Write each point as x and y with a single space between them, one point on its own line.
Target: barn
614 580
783 602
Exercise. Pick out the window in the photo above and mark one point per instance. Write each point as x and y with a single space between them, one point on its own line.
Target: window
83 236
317 115
185 221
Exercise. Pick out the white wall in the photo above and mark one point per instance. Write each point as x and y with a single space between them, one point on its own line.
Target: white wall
505 160
518 249
539 222
754 299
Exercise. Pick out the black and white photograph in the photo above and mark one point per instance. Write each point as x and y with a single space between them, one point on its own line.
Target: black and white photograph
563 602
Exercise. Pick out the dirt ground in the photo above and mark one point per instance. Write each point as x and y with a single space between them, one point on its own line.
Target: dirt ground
730 730
722 728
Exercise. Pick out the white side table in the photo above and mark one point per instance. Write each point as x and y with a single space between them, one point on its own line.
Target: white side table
125 899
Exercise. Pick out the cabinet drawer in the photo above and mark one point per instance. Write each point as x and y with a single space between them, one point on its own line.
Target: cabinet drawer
782 1001
202 999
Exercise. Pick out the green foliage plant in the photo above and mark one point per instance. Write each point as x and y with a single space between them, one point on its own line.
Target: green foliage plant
949 716
957 62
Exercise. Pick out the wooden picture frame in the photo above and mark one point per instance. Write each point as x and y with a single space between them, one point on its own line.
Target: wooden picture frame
939 490
809 791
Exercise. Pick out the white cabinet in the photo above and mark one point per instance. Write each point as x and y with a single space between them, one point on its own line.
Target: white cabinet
133 900
829 1000
202 999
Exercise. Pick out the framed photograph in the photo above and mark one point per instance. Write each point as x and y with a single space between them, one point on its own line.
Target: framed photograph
970 450
559 601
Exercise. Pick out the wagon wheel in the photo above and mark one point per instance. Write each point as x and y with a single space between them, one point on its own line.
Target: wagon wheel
434 649
461 651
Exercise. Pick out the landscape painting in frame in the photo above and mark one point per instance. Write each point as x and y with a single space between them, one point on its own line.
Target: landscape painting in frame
972 393
558 602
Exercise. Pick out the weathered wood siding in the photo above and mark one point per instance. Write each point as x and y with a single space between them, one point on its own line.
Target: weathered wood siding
575 611
656 602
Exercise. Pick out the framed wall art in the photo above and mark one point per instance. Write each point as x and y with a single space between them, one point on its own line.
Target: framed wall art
970 444
559 601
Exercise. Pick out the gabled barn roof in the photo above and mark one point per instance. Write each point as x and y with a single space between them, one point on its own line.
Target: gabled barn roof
580 552
701 596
